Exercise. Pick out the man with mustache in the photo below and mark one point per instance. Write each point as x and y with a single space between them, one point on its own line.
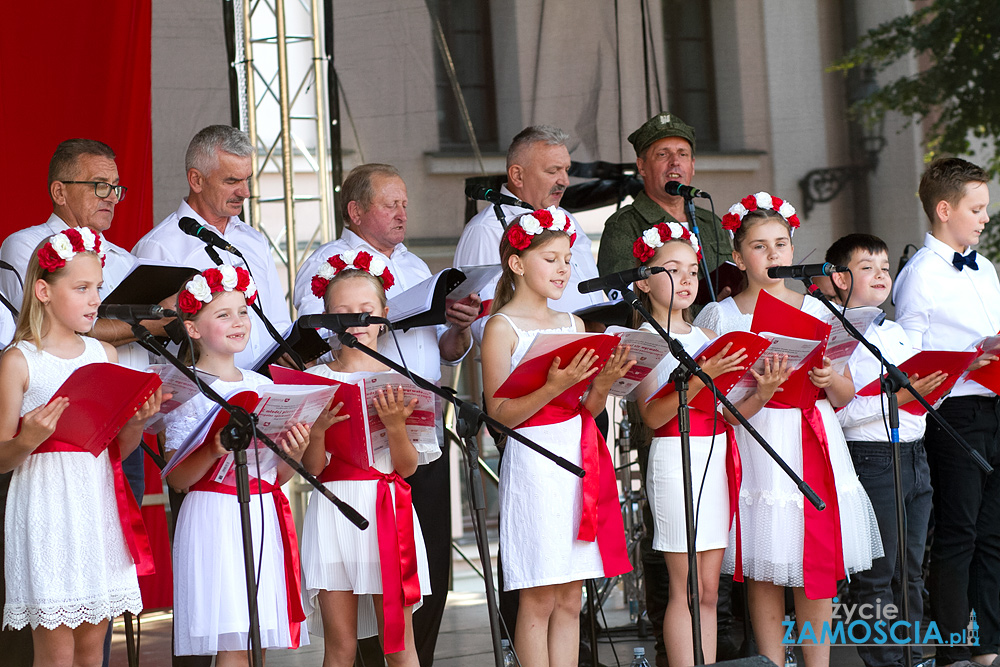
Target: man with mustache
537 174
218 169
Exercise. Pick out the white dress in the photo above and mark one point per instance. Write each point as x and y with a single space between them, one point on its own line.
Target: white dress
771 506
210 594
336 555
541 503
66 559
664 473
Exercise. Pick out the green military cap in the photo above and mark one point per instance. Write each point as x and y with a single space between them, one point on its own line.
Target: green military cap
659 126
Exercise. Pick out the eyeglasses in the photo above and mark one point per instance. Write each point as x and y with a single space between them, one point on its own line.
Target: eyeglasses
103 190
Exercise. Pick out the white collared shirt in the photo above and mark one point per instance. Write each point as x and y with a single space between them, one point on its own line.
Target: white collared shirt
420 345
480 244
943 308
16 251
6 326
167 243
862 418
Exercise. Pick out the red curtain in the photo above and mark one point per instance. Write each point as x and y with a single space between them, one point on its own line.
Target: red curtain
76 69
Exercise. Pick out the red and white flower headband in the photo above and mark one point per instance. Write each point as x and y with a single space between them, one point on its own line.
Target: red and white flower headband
763 201
201 289
65 245
645 246
519 233
352 259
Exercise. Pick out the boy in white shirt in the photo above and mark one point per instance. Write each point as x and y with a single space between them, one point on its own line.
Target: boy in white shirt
948 298
865 422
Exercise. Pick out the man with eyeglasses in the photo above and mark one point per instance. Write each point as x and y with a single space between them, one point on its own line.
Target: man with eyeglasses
84 188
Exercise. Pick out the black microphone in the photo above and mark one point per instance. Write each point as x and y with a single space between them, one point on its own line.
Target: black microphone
194 228
340 321
805 270
133 313
678 189
484 193
618 280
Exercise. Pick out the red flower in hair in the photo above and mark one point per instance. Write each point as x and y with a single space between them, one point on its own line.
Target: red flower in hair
543 217
49 259
76 240
242 279
641 251
363 260
518 237
776 202
387 280
337 263
214 279
793 221
187 303
749 203
319 286
731 222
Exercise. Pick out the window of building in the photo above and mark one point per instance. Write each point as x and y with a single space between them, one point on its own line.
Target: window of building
466 27
687 30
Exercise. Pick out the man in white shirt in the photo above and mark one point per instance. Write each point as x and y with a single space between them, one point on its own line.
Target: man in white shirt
218 168
537 174
373 203
84 188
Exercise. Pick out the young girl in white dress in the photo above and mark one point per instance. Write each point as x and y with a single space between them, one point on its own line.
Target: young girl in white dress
714 459
68 567
547 533
360 589
210 598
785 541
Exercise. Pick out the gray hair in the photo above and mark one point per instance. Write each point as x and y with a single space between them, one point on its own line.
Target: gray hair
62 166
358 186
202 152
550 136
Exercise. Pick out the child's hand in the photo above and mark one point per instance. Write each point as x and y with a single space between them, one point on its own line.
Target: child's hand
392 407
723 362
776 371
38 424
981 361
580 368
822 377
150 407
618 365
922 385
295 441
218 451
330 416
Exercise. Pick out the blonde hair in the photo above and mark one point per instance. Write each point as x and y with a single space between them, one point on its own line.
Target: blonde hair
505 285
31 320
643 296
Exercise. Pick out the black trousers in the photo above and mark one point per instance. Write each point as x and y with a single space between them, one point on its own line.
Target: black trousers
965 553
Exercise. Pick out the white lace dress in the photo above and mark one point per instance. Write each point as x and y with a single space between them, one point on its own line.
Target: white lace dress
66 559
210 595
540 503
664 473
336 556
771 506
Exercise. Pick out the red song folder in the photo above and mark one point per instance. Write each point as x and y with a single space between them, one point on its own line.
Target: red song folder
102 398
923 364
988 375
704 400
774 315
530 375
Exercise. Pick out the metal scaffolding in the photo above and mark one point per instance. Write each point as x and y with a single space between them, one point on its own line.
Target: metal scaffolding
281 71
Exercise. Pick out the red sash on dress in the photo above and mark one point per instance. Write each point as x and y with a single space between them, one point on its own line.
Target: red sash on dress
397 549
601 519
823 547
703 425
129 516
289 543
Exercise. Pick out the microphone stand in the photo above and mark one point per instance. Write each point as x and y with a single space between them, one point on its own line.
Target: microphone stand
685 369
470 418
693 223
278 338
891 382
236 438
